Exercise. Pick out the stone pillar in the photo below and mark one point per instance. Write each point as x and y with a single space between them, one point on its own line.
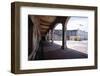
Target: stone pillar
64 32
47 36
51 35
64 36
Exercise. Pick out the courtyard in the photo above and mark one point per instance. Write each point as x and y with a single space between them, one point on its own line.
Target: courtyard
81 46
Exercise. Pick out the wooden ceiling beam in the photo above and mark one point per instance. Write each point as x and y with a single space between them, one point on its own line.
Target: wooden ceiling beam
45 24
48 19
44 21
46 27
43 30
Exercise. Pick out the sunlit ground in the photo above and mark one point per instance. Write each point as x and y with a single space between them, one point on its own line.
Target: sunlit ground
81 46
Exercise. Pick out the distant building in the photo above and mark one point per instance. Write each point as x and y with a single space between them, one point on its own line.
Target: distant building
76 35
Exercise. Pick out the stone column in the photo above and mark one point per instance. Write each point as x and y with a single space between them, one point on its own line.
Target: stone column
64 32
51 35
64 36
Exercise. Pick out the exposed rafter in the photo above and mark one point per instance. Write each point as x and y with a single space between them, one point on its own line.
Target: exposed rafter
44 27
46 23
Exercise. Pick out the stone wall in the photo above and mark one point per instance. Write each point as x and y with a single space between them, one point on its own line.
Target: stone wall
36 37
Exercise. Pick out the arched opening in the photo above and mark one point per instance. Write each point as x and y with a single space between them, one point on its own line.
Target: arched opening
58 34
77 34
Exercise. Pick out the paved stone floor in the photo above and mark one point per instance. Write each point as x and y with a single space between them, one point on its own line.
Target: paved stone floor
81 46
54 51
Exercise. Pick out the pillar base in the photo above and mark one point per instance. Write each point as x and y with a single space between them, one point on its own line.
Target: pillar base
63 47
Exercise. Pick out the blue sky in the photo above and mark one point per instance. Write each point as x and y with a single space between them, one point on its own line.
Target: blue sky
80 23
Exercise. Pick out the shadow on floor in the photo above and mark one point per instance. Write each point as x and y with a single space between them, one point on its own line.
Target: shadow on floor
53 51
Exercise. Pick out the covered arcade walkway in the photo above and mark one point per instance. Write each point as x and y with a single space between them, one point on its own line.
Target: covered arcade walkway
54 51
40 47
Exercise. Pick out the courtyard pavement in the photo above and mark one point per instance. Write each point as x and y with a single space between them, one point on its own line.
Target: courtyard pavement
54 51
81 46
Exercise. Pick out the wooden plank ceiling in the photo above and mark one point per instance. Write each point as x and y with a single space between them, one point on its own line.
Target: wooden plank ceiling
47 22
44 23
